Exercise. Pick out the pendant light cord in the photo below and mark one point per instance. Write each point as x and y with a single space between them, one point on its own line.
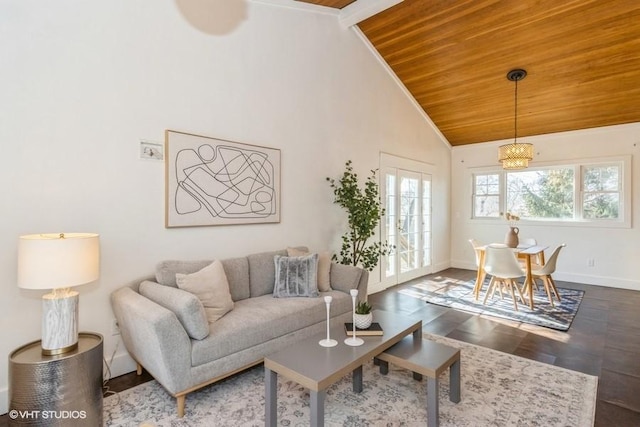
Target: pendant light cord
515 121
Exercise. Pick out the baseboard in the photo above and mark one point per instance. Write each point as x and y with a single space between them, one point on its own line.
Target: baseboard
587 279
376 287
464 265
441 266
120 365
605 281
4 401
381 286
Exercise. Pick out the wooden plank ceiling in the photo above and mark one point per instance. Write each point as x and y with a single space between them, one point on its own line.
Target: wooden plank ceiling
582 59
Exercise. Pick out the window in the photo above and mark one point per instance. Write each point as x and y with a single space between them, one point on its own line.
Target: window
486 196
585 192
541 194
601 190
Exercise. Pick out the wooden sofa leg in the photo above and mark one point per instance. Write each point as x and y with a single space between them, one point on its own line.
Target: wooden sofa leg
138 369
181 402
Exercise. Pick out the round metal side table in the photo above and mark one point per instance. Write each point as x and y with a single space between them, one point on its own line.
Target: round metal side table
59 390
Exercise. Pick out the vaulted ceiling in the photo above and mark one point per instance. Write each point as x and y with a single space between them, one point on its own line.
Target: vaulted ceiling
582 58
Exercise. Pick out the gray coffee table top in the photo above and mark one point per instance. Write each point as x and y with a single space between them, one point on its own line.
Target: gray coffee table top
316 367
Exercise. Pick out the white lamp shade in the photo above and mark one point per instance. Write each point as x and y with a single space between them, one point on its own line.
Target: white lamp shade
62 260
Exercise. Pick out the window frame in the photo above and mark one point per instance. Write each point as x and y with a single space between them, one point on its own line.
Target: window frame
579 166
499 194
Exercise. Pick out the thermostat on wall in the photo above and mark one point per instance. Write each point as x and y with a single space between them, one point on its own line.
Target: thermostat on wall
150 150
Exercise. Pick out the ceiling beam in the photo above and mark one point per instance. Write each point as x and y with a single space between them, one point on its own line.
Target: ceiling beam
295 4
360 10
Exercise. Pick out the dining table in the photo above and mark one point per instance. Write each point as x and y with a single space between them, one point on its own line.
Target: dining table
524 252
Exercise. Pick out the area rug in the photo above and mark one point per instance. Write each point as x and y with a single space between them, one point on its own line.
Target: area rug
497 389
460 296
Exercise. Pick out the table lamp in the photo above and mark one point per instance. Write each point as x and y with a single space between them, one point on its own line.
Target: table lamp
58 262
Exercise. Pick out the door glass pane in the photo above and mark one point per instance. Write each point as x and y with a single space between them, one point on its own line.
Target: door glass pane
426 222
390 223
409 223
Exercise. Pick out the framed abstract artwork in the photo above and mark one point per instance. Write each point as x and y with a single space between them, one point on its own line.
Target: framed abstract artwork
210 181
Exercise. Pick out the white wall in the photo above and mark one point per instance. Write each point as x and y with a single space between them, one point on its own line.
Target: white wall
83 82
615 250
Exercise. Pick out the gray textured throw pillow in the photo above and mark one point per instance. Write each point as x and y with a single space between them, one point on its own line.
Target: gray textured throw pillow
324 267
296 276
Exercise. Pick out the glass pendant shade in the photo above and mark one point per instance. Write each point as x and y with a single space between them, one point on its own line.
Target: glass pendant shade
515 155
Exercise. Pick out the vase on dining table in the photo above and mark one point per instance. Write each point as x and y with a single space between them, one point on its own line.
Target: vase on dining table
511 239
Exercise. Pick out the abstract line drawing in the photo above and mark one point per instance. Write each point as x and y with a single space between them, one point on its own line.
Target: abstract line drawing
216 182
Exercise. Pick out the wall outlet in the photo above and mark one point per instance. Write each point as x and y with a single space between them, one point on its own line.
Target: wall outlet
115 329
591 262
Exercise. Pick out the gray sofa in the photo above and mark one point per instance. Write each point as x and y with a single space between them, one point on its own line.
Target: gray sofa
159 340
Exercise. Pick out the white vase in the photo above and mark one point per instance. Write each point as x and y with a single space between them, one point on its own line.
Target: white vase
363 321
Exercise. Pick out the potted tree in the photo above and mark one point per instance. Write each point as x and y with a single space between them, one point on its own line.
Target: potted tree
364 210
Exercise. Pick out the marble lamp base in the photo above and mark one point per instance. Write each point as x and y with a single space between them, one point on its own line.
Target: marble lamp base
59 322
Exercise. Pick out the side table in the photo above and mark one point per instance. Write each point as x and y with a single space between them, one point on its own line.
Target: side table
58 390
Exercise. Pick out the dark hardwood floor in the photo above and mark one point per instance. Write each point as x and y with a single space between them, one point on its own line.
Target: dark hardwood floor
604 340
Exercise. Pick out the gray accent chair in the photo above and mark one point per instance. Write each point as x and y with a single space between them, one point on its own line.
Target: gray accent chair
158 338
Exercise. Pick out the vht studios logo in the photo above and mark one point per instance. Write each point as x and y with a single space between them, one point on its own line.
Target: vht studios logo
47 415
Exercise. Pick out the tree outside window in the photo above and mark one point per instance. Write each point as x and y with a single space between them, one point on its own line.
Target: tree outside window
590 192
541 194
486 196
601 192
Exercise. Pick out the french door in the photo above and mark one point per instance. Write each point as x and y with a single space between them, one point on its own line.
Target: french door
407 225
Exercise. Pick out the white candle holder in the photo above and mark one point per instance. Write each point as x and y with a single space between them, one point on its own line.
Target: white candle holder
354 341
328 342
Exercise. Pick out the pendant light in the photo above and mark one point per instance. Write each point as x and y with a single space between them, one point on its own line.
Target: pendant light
515 155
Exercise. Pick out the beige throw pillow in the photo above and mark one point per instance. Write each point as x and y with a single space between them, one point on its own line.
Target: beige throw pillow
211 287
324 267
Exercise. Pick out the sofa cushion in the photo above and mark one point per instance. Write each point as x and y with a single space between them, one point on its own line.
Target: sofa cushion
324 267
262 272
296 276
166 270
236 270
211 287
256 320
345 277
186 306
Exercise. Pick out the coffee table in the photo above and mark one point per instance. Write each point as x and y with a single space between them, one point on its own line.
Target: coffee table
316 367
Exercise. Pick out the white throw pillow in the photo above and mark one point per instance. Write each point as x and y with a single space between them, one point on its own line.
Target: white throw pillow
211 287
324 267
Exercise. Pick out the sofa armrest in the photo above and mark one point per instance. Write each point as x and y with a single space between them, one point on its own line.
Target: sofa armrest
154 337
347 277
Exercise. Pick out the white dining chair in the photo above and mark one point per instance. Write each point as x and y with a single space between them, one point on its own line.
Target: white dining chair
544 273
528 241
475 244
501 264
481 274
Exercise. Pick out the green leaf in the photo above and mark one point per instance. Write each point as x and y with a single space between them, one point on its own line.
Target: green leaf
364 210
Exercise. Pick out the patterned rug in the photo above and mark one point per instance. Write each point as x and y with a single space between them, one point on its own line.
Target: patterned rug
497 389
459 295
